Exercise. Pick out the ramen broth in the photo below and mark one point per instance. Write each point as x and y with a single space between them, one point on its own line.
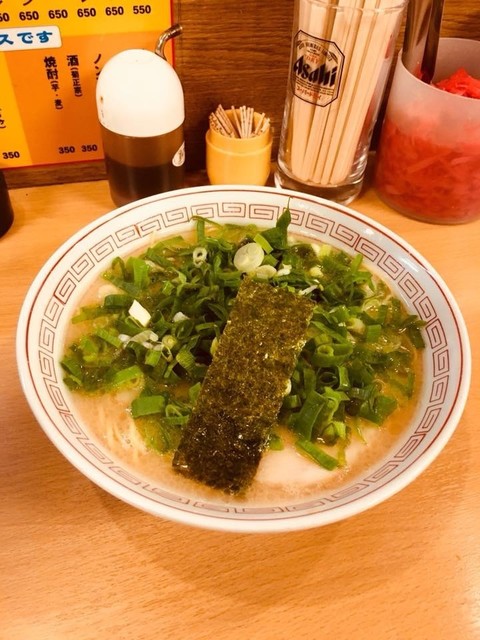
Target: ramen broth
283 474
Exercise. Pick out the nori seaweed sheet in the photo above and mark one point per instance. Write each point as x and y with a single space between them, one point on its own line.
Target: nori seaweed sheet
243 389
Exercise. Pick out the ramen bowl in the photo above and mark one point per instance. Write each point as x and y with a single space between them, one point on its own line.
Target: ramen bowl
69 274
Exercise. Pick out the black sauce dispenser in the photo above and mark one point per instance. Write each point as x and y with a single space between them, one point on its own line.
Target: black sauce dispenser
141 111
6 211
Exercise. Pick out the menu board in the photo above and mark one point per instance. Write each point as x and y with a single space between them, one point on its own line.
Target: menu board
50 56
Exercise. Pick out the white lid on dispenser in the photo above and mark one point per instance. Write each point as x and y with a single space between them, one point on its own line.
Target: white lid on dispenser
139 95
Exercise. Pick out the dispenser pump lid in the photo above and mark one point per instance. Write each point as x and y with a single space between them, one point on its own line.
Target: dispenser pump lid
139 95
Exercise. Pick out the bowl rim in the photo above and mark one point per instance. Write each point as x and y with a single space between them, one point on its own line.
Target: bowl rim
244 524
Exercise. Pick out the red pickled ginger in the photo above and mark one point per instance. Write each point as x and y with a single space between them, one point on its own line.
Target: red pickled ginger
461 83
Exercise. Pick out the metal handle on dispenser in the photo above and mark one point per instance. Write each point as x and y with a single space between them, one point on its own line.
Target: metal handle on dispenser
172 32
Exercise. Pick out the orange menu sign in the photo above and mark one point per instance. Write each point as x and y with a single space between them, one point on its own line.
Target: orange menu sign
50 56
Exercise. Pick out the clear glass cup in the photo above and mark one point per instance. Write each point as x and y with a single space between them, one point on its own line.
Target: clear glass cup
339 64
428 160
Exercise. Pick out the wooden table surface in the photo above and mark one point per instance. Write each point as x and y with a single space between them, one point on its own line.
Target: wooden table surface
78 564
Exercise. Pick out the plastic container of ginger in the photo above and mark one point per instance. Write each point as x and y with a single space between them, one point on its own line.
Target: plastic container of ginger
428 160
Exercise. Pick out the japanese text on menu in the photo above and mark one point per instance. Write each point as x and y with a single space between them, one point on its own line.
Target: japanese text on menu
50 57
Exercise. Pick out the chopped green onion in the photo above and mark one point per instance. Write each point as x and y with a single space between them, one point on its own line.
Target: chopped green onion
373 332
72 366
153 357
263 242
275 442
248 257
161 330
109 337
379 409
306 418
147 405
140 271
319 456
292 402
265 271
130 374
277 237
199 256
270 260
117 301
139 313
193 392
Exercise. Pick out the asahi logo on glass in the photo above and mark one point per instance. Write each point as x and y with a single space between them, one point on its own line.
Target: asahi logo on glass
317 69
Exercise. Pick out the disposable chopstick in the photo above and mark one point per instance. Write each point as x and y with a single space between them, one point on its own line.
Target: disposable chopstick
324 140
347 47
353 85
343 30
300 112
313 19
384 26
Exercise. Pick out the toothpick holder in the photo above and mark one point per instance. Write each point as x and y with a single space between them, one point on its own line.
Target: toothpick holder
238 160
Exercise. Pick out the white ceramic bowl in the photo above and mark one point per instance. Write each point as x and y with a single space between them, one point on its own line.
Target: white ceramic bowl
61 283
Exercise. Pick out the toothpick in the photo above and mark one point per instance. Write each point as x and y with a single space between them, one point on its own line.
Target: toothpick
239 123
259 124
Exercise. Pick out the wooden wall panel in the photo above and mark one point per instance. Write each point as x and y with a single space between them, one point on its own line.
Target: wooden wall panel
236 52
232 53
